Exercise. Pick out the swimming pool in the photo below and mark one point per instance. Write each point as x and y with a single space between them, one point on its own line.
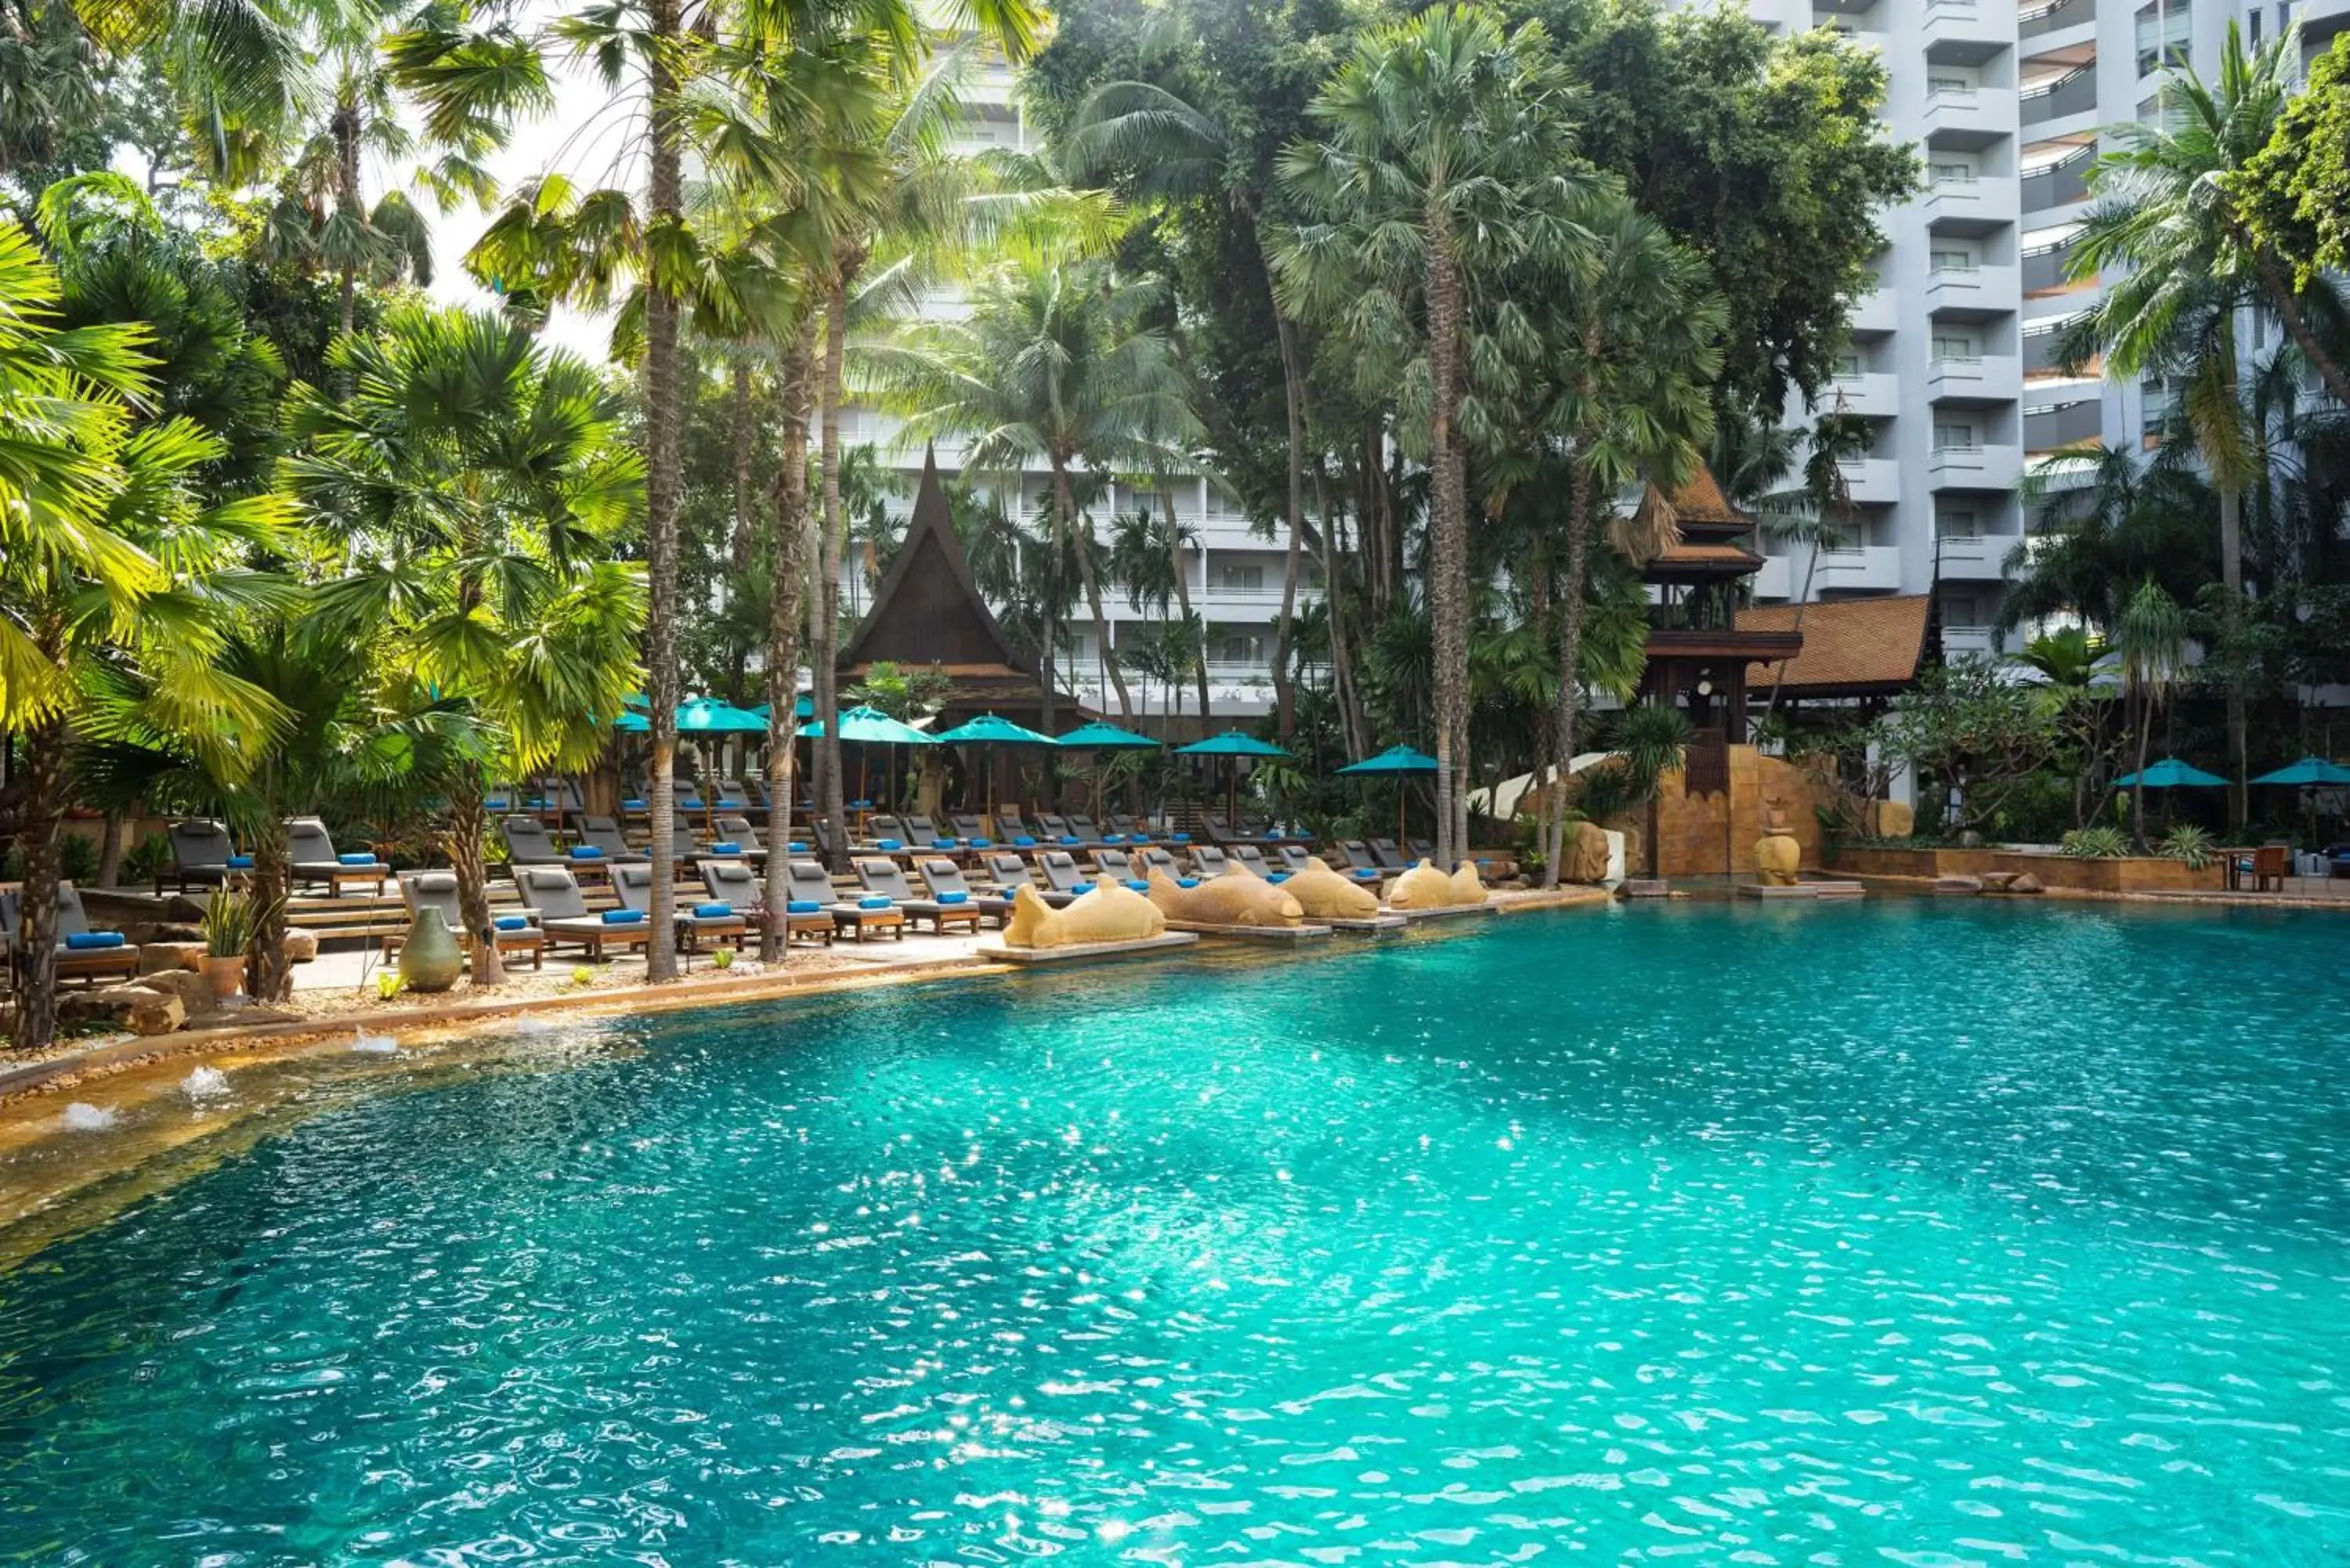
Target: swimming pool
1915 1232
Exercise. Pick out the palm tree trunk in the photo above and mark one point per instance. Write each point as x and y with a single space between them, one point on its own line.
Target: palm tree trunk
109 850
1448 552
787 560
740 550
833 802
1284 699
1570 656
468 821
267 976
346 195
1065 514
1803 603
2288 308
42 812
663 400
1198 654
2137 785
2232 571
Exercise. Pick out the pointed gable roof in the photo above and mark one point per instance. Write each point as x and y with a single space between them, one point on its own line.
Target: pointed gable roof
928 609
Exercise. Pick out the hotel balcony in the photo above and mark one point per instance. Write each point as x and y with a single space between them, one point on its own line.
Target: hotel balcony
1873 481
2062 183
1874 394
1968 116
2035 22
1876 311
1976 291
1974 557
2052 425
1968 32
1857 568
1977 379
1995 467
1969 642
1969 205
2059 98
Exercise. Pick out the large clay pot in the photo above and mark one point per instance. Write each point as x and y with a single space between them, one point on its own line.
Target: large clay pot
226 974
429 959
1777 858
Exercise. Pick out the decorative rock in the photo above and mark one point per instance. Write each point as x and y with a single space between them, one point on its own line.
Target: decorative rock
1894 819
163 957
1225 901
1110 913
1958 885
1586 852
1323 894
1997 881
137 1009
155 1015
195 990
1648 888
1777 858
301 945
2027 883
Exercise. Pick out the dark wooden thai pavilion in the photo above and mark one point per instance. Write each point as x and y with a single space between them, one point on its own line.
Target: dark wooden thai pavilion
1699 650
928 614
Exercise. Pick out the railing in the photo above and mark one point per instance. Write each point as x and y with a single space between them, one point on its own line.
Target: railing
1942 269
1942 177
2044 266
2036 20
1942 364
2059 183
2075 92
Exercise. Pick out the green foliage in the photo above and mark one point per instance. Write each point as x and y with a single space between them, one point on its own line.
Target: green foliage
723 959
2294 191
229 921
2191 845
144 860
1967 723
903 694
389 984
2100 843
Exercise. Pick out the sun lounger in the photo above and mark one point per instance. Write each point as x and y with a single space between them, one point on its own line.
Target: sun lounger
1115 864
1387 857
885 827
92 958
1293 858
1361 863
1009 873
1421 849
437 890
827 841
601 832
1052 827
1085 829
812 884
312 858
1131 827
1250 858
551 893
1211 860
634 885
733 796
883 879
1222 831
203 856
738 831
734 882
1059 869
1009 824
921 831
945 879
972 830
527 844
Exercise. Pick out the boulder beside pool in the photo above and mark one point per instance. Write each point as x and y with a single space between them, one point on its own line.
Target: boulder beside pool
1110 913
1425 887
1324 895
1225 901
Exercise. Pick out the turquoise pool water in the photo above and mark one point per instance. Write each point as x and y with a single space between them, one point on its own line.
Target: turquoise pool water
1916 1234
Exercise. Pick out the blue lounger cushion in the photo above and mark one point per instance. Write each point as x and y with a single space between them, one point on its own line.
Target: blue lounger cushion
942 844
1138 884
1187 881
1075 888
874 901
713 911
690 802
956 898
1113 838
356 859
796 848
1069 839
1182 838
82 941
1025 841
1276 876
585 852
802 907
726 847
512 922
239 863
634 804
977 842
888 845
860 805
623 917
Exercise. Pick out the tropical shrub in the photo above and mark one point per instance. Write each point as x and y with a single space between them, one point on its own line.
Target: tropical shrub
2096 844
2190 845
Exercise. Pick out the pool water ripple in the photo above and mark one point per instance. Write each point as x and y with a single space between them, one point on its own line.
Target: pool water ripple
1926 1234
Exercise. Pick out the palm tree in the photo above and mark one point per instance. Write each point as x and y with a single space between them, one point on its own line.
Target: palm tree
1823 512
1057 365
2166 228
2151 641
1445 158
474 483
110 560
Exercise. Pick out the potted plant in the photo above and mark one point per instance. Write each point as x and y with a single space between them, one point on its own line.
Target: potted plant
228 925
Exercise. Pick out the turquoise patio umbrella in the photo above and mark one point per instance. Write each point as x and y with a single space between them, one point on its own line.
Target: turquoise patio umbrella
1235 744
1395 761
2171 774
2310 773
1099 737
868 727
989 732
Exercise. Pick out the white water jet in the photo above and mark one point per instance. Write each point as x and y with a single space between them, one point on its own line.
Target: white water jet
83 1116
527 1026
375 1045
205 1083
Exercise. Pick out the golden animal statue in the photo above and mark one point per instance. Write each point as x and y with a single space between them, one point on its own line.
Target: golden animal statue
1425 887
1777 857
1110 913
1325 895
1224 901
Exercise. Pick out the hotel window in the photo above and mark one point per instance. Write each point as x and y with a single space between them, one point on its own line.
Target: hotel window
1958 525
1954 345
1948 171
1240 579
2162 29
1238 648
1953 435
1953 258
1846 368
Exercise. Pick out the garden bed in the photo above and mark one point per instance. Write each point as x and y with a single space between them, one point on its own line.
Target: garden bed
2128 874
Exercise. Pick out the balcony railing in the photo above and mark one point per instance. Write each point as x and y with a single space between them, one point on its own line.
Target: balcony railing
2075 92
2033 21
2045 266
2059 183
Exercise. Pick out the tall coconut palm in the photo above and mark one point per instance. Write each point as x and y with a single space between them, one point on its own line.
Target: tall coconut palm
1821 516
2151 643
109 559
1445 155
1056 366
474 483
2181 265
